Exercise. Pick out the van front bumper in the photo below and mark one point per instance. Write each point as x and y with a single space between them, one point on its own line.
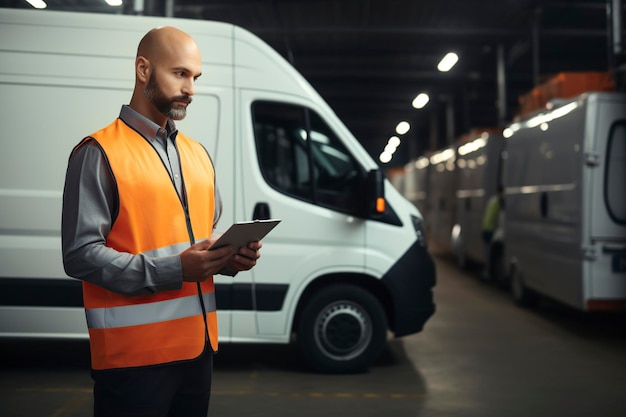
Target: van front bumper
410 282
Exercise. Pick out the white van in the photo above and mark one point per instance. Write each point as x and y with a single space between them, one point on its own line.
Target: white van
337 272
565 176
441 202
415 185
479 168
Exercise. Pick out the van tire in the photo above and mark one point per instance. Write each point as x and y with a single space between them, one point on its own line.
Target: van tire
342 329
522 295
496 265
460 257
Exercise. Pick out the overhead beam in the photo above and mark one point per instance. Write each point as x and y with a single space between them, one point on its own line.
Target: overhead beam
198 10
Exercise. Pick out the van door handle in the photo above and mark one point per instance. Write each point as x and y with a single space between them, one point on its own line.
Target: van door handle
261 211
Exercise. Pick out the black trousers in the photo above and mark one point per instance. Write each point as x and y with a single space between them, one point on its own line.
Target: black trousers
181 389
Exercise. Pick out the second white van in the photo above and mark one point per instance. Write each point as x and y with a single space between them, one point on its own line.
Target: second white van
565 223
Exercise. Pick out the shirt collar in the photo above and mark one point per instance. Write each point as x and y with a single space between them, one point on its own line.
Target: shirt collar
146 127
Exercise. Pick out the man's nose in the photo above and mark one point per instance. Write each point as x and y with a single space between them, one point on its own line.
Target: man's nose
188 87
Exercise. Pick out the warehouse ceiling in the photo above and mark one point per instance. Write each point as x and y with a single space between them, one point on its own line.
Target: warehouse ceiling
370 58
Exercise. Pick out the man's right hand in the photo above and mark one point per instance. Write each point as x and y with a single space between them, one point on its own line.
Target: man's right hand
199 263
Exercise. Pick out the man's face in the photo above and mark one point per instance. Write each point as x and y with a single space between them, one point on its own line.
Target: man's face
174 107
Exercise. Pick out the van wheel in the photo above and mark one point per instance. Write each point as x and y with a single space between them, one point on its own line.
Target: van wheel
342 329
496 265
522 295
458 247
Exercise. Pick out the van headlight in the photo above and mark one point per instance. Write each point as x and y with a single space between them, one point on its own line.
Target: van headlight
420 231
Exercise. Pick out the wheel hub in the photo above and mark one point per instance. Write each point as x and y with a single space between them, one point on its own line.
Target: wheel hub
343 331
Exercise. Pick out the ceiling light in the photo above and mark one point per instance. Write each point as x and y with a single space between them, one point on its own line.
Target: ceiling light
402 128
390 148
421 100
37 4
448 62
394 141
384 157
114 2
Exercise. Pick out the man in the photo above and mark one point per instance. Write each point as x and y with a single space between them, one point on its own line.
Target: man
139 207
491 218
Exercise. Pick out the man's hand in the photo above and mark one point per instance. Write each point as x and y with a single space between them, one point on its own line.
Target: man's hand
246 258
199 263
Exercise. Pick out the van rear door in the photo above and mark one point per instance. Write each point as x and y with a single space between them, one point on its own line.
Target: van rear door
606 174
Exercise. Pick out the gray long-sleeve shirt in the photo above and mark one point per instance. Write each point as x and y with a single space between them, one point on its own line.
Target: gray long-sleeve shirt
89 205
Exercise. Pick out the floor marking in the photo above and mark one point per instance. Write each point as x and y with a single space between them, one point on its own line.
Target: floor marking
326 395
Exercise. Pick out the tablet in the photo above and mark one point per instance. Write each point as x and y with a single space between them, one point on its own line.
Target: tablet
241 233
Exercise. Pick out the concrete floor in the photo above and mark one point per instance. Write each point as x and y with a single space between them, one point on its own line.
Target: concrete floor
479 356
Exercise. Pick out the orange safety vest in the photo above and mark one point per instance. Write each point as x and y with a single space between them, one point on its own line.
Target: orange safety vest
128 331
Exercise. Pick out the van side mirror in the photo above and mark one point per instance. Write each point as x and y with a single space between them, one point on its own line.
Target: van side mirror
375 193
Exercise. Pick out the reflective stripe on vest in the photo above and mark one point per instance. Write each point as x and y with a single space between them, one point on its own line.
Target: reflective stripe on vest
136 314
167 326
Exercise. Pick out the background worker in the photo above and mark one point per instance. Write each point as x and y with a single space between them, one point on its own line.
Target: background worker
140 205
490 223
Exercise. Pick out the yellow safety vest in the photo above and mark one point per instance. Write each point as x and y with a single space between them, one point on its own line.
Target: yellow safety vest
490 218
129 331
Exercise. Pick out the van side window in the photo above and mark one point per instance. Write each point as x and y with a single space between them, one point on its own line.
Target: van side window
615 174
301 156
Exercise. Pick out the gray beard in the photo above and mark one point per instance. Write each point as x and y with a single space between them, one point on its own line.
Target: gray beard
163 104
176 113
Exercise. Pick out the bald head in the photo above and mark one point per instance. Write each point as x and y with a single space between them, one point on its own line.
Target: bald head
167 64
165 41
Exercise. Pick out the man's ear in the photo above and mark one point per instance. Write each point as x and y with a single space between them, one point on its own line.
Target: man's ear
142 69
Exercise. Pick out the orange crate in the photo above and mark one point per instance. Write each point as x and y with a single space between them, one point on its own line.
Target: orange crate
565 85
570 84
